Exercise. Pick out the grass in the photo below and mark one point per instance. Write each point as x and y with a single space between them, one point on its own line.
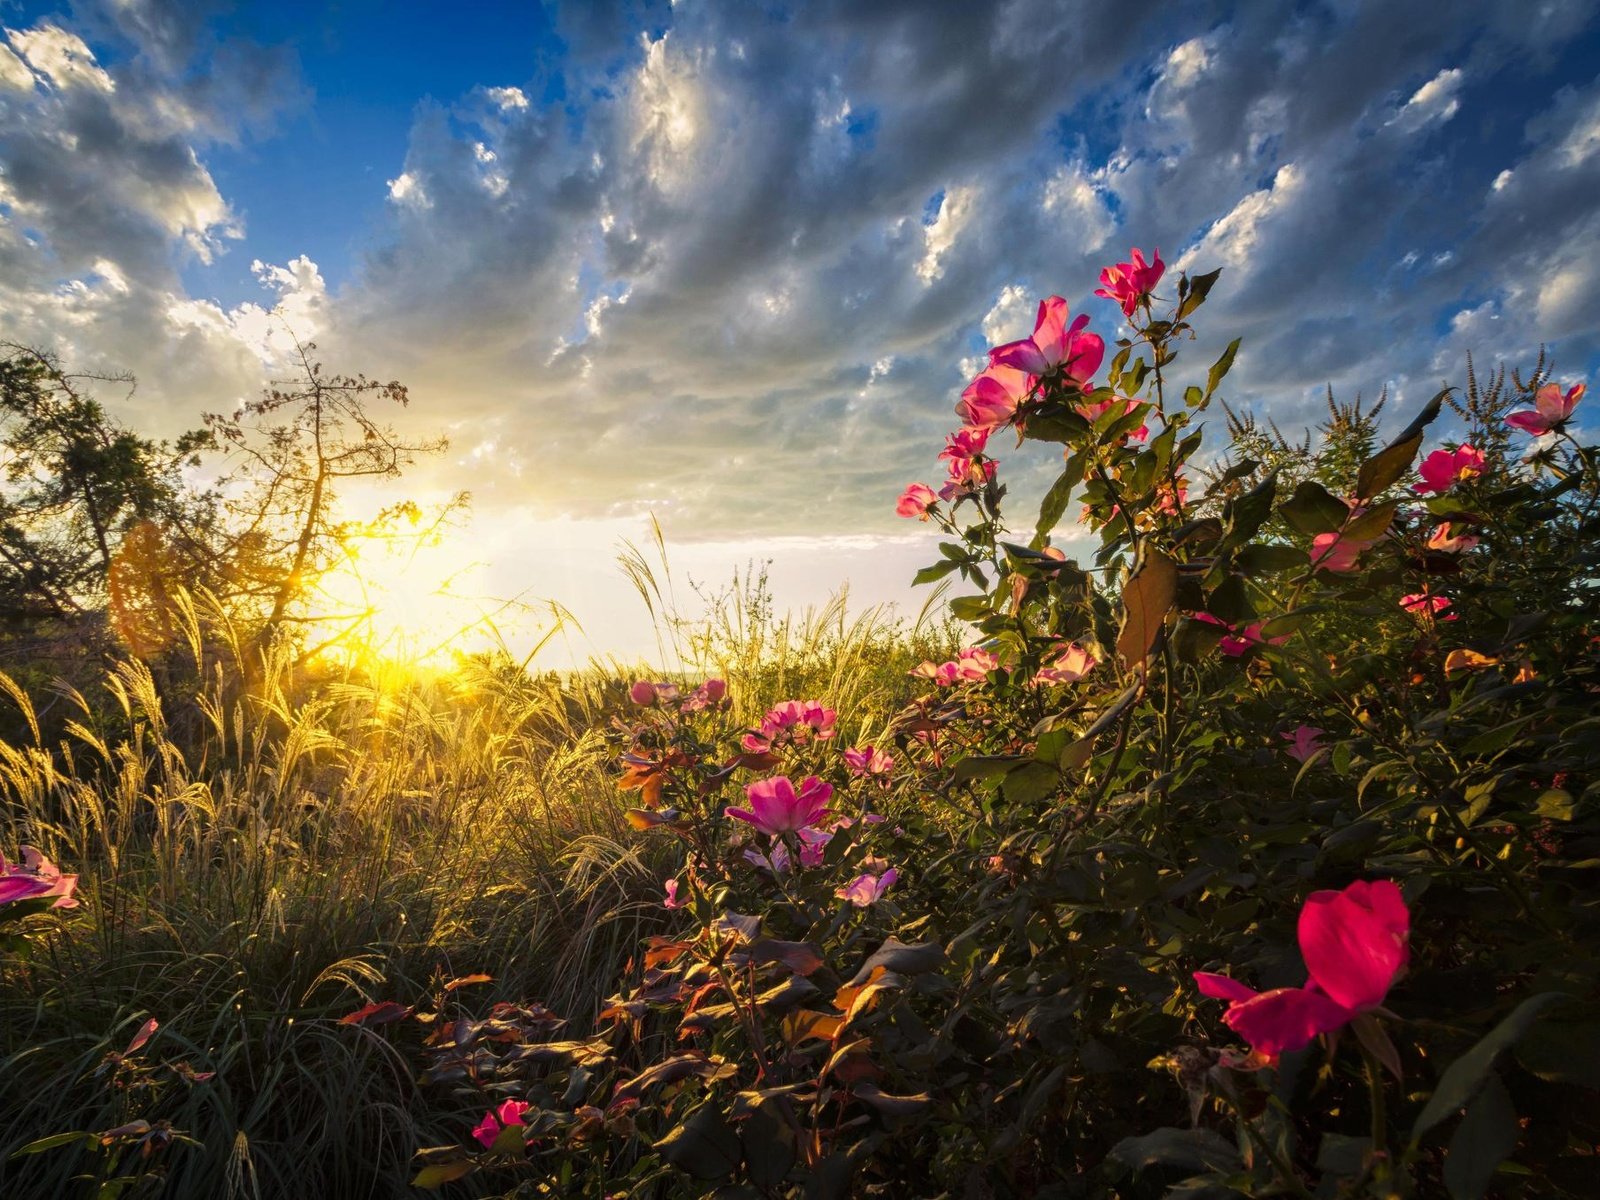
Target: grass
257 863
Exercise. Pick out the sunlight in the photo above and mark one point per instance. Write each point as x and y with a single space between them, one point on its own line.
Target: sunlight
419 599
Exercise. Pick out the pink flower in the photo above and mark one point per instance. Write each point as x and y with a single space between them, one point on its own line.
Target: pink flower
1055 346
916 500
966 477
777 859
1336 552
991 399
1130 282
1305 741
647 694
797 721
972 665
1354 944
33 877
1240 640
869 762
509 1113
672 900
868 888
1424 604
1446 542
1093 412
776 808
963 446
1551 410
1443 469
1070 665
709 694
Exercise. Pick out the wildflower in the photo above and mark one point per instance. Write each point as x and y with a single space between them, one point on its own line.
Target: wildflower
647 694
672 900
1354 943
777 808
1423 604
867 761
509 1113
1551 410
916 500
1305 741
709 694
1336 552
1130 283
972 665
797 721
1239 641
1070 665
1055 347
777 859
868 888
991 399
1443 469
1445 540
33 877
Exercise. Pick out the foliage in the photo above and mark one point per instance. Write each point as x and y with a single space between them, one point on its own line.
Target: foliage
1252 857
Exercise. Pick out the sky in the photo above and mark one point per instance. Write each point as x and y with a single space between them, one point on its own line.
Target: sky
728 265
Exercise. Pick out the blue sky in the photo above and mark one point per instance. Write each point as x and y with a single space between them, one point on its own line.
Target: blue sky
730 263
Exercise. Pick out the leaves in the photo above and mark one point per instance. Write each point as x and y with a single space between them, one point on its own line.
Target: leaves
1186 1149
1313 510
380 1012
1486 1137
703 1146
1463 1078
1146 600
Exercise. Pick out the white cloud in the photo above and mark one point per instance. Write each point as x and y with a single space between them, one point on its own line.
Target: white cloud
61 57
14 73
1012 316
1434 103
508 99
406 189
940 234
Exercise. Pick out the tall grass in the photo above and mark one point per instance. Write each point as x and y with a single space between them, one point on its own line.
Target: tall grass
258 861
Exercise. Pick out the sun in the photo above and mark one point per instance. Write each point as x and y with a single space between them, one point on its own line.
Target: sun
418 600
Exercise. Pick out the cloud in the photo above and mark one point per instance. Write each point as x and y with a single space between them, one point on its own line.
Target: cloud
1433 103
738 273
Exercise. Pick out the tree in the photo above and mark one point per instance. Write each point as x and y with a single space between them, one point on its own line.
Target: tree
294 449
75 483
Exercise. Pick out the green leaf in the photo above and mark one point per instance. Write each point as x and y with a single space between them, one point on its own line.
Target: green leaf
1268 558
439 1174
1555 804
703 1146
769 1148
1483 1140
986 766
1373 523
1463 1078
1056 500
1030 782
1186 1149
1220 368
1198 289
969 608
1384 469
1246 514
51 1142
1312 510
931 574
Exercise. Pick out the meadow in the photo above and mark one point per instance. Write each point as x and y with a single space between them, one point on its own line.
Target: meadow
1253 856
